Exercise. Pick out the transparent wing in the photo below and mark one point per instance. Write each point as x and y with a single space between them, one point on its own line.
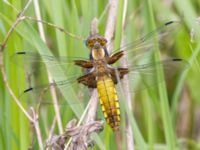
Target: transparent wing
35 57
40 90
145 76
34 61
141 47
41 94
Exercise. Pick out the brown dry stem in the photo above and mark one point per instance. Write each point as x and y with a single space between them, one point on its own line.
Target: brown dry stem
129 132
111 23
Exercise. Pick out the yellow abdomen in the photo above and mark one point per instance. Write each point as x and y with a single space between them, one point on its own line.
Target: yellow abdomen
109 101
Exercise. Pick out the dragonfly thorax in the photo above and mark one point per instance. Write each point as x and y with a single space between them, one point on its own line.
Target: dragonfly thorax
98 53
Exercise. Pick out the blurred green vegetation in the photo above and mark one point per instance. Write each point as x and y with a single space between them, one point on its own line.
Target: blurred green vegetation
162 118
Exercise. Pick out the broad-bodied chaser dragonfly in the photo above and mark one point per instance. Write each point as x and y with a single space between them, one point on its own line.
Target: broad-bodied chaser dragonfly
102 75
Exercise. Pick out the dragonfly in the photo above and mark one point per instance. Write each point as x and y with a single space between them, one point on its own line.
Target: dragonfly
99 72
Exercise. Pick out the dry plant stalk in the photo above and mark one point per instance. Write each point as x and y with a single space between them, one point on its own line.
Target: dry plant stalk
129 132
111 23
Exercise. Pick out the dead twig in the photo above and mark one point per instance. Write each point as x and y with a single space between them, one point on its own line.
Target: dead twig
79 135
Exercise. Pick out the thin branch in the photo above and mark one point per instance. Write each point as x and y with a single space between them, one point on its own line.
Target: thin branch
18 20
37 128
17 101
57 27
52 88
111 23
129 132
91 114
25 8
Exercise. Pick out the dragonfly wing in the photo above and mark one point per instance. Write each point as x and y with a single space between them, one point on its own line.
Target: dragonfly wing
41 93
143 46
144 76
33 61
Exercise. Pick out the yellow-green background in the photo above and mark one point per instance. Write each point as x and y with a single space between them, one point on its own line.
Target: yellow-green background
155 123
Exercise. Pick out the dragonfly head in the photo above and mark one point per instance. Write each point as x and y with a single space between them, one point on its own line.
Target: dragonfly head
94 41
96 44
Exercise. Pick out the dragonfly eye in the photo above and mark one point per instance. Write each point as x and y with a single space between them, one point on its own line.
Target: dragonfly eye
90 43
102 41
